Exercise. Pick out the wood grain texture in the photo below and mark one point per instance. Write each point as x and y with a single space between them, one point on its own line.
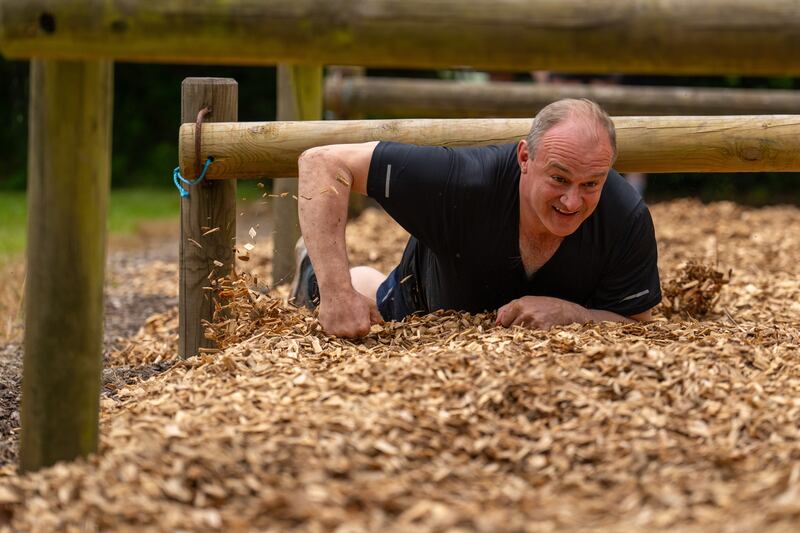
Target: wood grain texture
68 188
211 204
753 143
299 98
358 97
638 36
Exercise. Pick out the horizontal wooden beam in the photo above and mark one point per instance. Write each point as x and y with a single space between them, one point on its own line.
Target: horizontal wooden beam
353 97
756 143
641 36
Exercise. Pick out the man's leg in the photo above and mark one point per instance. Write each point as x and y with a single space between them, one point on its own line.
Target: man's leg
366 281
305 292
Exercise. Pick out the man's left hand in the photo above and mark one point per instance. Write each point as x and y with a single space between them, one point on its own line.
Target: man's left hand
539 312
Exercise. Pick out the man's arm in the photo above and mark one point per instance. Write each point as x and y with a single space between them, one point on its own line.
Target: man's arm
542 312
327 175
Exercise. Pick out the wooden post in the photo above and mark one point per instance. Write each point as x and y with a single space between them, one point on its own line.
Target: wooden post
299 98
337 106
210 205
336 100
69 155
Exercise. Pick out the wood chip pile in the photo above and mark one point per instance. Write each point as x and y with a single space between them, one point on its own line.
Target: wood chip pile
447 423
11 300
695 291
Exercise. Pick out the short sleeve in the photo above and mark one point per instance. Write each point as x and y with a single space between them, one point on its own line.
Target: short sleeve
425 189
630 282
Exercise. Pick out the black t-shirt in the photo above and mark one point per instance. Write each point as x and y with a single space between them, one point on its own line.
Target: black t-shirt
461 206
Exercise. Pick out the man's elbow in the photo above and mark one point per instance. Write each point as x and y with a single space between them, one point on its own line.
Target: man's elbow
321 161
310 157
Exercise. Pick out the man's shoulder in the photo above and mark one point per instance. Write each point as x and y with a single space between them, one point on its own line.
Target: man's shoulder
620 212
493 152
619 200
492 167
500 154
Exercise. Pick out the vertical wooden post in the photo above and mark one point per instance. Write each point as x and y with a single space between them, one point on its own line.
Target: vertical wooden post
337 75
69 167
299 98
211 204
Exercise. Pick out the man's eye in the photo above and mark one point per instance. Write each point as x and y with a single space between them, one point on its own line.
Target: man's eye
559 179
590 184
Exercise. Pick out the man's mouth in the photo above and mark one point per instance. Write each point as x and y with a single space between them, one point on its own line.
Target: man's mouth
565 212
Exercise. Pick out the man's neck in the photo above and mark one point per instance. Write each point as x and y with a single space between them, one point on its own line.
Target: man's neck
532 230
536 248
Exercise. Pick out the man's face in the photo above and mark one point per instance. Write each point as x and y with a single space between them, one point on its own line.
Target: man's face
560 187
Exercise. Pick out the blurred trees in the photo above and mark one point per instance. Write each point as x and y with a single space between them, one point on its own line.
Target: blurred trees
147 110
13 123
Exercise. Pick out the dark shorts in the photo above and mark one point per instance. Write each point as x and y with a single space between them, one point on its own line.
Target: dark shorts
393 295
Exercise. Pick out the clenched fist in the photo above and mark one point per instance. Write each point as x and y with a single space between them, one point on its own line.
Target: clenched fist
347 314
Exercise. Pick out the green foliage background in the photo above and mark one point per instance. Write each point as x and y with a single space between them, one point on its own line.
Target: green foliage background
147 112
147 107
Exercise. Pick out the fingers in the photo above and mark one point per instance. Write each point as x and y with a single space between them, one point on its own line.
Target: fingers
508 313
349 316
515 313
375 315
352 328
345 320
521 320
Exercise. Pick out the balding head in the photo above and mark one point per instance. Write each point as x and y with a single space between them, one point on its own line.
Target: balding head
597 120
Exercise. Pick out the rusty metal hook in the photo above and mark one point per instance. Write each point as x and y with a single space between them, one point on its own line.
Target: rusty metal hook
198 166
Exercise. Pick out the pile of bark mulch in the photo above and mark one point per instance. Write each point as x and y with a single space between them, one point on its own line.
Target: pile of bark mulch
140 282
446 422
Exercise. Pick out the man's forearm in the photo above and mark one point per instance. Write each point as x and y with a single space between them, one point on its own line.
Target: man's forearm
324 189
542 312
599 315
574 313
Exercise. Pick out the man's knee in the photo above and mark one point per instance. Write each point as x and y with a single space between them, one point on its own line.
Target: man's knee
366 280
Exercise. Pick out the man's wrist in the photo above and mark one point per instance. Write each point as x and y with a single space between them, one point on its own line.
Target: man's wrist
575 313
334 280
336 290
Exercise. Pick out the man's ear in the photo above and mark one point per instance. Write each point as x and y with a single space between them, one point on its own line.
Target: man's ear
523 156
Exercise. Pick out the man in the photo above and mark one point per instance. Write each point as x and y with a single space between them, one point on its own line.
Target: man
522 228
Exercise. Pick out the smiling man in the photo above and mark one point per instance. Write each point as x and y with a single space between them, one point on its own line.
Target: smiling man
543 231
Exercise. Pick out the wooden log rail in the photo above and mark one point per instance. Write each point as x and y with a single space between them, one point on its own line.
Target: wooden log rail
356 97
638 36
758 143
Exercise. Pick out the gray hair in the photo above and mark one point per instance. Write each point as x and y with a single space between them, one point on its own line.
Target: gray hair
555 113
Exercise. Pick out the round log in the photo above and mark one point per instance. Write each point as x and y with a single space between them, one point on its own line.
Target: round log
355 97
638 36
755 143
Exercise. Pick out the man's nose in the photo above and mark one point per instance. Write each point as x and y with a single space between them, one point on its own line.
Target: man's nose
571 199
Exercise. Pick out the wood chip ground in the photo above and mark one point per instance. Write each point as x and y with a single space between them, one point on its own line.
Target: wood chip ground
448 423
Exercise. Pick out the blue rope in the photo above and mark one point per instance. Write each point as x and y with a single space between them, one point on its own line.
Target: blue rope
177 178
